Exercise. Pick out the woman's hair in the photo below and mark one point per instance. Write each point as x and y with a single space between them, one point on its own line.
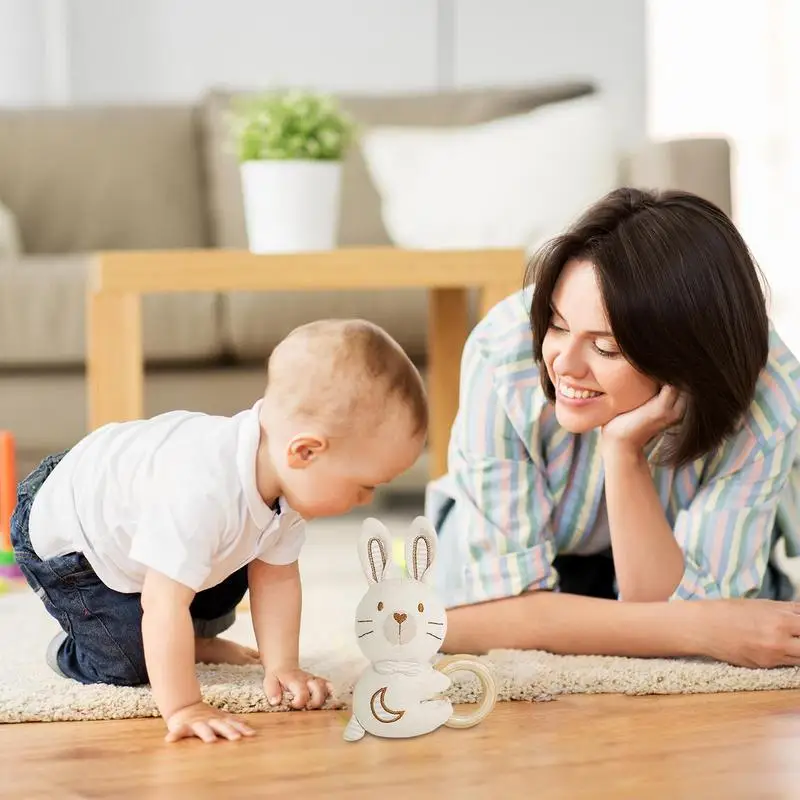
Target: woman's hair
683 297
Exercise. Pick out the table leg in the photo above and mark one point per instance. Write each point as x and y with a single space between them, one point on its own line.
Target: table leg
448 327
114 370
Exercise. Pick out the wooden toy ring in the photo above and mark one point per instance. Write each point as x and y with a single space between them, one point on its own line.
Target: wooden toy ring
466 663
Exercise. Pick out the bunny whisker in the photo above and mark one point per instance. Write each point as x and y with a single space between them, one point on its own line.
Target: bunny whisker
363 620
436 623
435 636
362 635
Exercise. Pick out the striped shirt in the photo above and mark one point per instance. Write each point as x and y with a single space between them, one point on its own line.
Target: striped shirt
525 490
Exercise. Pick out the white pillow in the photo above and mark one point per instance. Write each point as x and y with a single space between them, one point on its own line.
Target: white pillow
10 245
511 182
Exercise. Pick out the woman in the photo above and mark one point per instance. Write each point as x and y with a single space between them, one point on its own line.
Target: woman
628 432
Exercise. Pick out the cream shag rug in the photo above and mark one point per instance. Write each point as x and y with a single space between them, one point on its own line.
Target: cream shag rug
30 692
333 585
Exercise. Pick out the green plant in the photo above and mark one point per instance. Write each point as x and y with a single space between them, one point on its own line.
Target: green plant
292 124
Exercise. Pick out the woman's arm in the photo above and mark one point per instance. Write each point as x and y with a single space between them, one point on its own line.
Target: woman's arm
575 625
747 633
720 545
648 562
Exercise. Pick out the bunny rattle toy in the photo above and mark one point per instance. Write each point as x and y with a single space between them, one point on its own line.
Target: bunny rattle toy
400 625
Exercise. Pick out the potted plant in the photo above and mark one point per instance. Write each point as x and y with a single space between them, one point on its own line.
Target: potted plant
290 147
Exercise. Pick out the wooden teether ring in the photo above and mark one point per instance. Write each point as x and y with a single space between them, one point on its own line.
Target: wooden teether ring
466 663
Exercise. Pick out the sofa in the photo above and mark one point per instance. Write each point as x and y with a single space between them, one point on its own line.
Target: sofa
82 179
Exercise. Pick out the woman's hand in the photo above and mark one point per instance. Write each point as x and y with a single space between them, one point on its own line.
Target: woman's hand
750 633
634 429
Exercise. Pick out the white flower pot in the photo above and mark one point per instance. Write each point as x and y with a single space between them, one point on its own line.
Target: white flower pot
291 205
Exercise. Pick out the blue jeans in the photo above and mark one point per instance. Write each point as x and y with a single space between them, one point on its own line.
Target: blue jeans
101 639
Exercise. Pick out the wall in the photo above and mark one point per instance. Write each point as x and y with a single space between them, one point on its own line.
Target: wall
22 41
512 41
98 51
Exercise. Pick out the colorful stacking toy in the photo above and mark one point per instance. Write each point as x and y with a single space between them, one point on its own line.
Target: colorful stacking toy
8 567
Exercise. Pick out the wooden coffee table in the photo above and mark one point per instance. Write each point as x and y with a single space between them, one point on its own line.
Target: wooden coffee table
118 279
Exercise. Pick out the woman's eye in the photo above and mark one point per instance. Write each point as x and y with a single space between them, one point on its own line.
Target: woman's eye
606 353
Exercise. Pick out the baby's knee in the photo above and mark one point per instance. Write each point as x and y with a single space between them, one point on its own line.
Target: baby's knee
99 662
123 673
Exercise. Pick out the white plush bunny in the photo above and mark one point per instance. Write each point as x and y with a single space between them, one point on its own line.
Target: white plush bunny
400 625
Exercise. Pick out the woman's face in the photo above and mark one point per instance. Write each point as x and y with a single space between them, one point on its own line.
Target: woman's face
593 381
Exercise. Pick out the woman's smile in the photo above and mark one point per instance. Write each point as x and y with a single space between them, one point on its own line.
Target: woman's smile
574 394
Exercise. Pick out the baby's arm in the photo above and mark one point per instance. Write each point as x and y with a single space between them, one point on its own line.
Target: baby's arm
275 603
169 649
275 607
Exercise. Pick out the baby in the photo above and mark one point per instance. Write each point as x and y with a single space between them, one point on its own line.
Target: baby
143 538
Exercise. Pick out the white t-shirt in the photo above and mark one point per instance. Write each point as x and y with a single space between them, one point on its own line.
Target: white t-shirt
176 493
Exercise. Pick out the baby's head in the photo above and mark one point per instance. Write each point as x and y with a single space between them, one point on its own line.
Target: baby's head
344 411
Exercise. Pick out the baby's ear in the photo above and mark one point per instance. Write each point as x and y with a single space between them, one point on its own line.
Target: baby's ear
420 550
374 549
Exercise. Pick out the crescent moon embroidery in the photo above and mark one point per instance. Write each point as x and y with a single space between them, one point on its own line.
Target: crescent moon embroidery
383 713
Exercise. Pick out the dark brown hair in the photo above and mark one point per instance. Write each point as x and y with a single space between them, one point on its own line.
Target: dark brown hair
683 297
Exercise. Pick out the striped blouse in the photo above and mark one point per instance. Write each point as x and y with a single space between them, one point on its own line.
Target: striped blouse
525 490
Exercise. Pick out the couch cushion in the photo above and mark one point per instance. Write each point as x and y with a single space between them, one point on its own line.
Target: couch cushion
42 317
83 179
360 219
535 172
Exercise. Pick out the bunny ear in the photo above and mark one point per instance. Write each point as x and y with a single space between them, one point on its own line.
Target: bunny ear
374 549
420 549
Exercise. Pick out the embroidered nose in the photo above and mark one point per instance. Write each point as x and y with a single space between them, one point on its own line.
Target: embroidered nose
399 618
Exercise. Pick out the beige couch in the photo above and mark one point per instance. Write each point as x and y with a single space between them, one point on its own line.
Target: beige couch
85 179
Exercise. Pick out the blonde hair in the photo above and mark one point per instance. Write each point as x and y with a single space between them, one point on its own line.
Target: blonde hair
344 369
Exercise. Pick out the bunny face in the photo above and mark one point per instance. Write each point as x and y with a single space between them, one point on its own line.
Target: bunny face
399 618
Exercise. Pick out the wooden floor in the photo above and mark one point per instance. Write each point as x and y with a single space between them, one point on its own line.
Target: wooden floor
701 746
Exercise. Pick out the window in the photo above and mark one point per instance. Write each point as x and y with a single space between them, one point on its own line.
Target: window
717 67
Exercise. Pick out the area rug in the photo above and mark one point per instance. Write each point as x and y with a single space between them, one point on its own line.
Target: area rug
29 691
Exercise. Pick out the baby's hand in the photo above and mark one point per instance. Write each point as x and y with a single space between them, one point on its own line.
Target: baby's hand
206 723
306 689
